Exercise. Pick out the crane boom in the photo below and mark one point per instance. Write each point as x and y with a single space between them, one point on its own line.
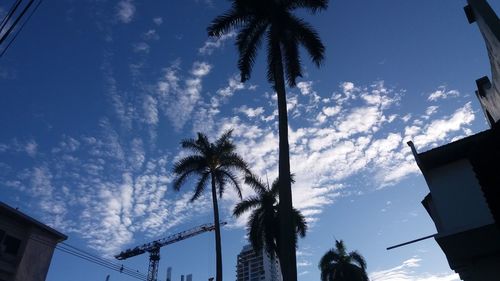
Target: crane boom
153 248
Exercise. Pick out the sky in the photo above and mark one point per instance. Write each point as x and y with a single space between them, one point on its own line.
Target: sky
95 96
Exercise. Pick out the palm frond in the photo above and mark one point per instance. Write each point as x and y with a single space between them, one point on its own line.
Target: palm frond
358 258
311 5
221 182
255 231
309 38
224 144
181 178
233 161
291 58
233 180
354 272
255 183
225 22
300 222
245 205
200 186
331 256
273 55
204 144
248 42
339 245
189 163
191 145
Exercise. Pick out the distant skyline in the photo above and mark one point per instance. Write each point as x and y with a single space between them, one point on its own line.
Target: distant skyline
97 94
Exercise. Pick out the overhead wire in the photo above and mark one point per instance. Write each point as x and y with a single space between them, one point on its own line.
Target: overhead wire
16 21
21 28
72 250
7 17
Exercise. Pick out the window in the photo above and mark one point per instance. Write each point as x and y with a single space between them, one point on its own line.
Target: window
11 245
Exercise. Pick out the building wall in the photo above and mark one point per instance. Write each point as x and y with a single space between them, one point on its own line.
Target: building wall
32 258
35 261
457 198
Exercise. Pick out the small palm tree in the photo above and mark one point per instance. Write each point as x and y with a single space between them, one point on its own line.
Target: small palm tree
338 265
262 230
284 32
215 162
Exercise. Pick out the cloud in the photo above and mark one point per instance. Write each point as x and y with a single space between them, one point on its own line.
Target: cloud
442 93
31 148
125 11
178 101
116 184
141 47
106 190
250 112
439 129
123 109
150 107
358 136
151 34
158 20
407 272
215 43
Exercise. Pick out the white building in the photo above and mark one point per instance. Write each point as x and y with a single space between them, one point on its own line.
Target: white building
252 266
464 176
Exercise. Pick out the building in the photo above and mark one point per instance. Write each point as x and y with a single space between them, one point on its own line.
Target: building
26 246
464 176
252 266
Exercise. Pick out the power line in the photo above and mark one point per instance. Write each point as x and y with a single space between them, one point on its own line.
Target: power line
14 22
72 250
122 268
12 10
21 28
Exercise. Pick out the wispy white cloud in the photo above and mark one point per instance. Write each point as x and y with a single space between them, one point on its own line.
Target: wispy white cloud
360 137
215 43
407 272
141 47
438 129
151 34
124 110
178 101
125 11
158 20
31 148
442 93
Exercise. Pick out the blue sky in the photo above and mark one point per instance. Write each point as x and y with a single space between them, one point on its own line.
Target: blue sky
96 95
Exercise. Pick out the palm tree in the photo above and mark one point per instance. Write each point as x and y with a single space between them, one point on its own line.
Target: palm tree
338 265
216 162
261 226
284 32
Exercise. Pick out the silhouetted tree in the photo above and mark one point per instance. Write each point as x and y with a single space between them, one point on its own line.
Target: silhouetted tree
338 265
216 162
261 226
284 32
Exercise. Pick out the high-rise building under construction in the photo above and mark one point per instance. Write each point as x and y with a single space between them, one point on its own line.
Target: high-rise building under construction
257 266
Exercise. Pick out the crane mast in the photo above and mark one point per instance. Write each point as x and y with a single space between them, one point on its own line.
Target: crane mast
153 248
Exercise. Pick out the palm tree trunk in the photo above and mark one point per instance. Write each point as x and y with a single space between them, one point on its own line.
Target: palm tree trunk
218 248
287 232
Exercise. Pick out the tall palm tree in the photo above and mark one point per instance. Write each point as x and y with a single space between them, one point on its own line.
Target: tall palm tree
216 162
338 265
261 226
284 33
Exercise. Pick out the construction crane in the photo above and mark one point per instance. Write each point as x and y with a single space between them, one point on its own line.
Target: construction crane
153 248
